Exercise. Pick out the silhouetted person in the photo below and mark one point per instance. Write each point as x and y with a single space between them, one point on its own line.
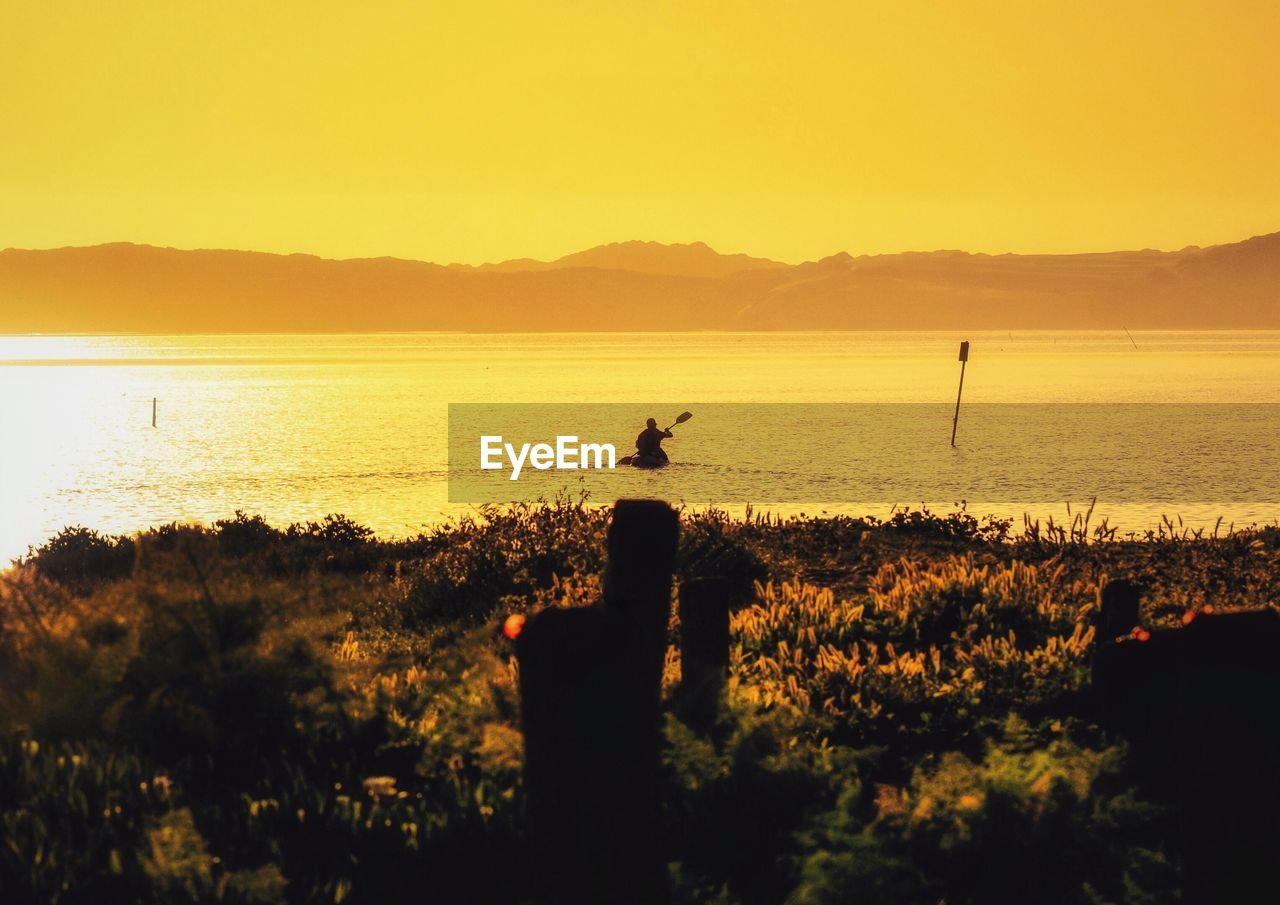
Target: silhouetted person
649 443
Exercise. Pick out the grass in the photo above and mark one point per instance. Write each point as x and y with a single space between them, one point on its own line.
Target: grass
240 713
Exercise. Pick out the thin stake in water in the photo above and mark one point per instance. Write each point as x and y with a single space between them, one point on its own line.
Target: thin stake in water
153 411
964 360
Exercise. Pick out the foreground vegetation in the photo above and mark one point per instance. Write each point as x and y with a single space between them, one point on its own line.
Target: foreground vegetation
244 714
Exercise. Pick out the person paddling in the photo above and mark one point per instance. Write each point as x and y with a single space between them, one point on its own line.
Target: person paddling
649 452
649 443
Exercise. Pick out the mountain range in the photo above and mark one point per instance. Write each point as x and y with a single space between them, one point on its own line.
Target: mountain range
125 288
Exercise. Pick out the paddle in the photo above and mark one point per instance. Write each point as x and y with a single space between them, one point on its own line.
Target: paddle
684 416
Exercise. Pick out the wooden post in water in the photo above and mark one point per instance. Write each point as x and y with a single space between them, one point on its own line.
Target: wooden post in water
590 696
964 360
153 411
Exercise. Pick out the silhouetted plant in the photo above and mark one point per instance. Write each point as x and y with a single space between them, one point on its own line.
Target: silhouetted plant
240 713
202 684
80 557
1020 824
473 568
245 534
712 546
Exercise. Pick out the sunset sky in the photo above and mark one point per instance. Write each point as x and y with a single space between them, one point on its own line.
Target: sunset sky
481 131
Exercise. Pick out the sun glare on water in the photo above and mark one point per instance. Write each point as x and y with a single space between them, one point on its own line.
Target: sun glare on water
61 437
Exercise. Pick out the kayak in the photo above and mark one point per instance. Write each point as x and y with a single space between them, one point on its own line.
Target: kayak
652 460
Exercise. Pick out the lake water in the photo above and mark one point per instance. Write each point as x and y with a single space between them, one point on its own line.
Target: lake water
294 427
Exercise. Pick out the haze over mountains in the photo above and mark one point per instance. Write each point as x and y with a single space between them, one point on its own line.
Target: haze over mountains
636 286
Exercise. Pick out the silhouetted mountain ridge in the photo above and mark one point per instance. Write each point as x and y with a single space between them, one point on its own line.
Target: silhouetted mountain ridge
691 259
121 287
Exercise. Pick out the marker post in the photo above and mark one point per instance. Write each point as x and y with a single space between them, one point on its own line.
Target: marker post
964 360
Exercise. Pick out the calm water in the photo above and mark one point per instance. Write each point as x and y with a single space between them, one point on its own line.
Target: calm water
294 427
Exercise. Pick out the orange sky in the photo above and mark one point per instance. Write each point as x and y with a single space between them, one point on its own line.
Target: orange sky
482 131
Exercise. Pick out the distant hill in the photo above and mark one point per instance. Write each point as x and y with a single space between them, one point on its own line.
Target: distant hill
636 286
696 259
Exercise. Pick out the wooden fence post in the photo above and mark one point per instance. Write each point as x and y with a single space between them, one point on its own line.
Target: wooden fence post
704 647
590 690
1200 708
643 538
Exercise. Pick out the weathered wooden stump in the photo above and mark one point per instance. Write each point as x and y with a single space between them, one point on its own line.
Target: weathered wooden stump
704 647
643 539
590 689
1200 707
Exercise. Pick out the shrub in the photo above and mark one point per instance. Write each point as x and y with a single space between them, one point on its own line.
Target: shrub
1024 823
105 826
245 534
736 796
473 568
711 545
201 683
958 600
79 557
931 650
176 732
336 544
333 530
954 526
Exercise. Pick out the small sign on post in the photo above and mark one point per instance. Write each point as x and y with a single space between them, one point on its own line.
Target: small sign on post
964 360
